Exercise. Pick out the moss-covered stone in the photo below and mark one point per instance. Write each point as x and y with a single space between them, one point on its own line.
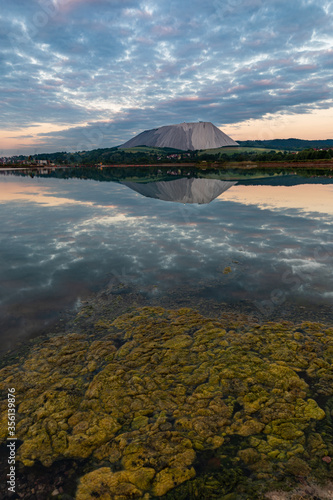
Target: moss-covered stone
157 389
297 467
107 485
169 478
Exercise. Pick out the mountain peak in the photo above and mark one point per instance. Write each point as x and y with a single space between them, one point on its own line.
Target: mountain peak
184 136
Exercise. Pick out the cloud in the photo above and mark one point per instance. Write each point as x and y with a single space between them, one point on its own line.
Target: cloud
73 62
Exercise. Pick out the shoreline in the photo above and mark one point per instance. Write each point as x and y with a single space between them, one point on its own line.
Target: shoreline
245 165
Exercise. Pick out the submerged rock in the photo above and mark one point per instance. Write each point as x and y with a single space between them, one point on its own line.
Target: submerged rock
155 389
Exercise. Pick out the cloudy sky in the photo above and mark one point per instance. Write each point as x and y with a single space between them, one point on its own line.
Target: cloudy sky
81 74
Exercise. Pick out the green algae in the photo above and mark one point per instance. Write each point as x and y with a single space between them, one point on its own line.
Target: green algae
159 389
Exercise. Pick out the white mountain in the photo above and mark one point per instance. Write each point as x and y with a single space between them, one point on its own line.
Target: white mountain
185 136
182 190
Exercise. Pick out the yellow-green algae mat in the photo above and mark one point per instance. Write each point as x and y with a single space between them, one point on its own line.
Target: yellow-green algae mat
178 385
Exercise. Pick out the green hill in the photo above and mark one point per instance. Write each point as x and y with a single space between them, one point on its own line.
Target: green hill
233 150
288 144
148 149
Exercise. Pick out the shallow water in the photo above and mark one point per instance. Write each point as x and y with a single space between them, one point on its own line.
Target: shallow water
65 238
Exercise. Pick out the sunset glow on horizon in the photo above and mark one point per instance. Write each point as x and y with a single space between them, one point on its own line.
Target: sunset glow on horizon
83 74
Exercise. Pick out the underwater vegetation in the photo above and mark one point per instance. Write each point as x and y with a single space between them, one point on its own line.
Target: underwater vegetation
169 403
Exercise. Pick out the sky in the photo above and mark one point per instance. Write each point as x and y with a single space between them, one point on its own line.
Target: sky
83 74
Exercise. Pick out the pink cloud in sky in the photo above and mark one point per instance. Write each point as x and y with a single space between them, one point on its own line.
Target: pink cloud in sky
66 5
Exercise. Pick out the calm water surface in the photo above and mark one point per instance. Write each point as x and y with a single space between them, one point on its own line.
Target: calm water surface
64 238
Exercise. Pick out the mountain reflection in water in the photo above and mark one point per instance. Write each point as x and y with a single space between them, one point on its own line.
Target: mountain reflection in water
183 190
67 234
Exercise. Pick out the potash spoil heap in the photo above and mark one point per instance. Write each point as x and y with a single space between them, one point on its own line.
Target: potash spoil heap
184 136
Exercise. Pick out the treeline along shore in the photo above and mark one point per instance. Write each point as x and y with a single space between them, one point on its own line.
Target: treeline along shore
261 152
325 165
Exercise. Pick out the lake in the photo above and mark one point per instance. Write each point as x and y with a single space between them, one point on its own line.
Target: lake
168 333
64 238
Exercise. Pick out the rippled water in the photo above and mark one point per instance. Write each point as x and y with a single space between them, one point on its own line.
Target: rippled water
262 244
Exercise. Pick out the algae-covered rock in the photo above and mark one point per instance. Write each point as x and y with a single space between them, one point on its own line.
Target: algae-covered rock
249 455
158 389
285 430
103 483
249 427
140 421
169 478
297 467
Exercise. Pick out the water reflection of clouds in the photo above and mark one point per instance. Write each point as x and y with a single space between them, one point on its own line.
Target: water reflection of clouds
148 241
311 198
38 192
23 194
